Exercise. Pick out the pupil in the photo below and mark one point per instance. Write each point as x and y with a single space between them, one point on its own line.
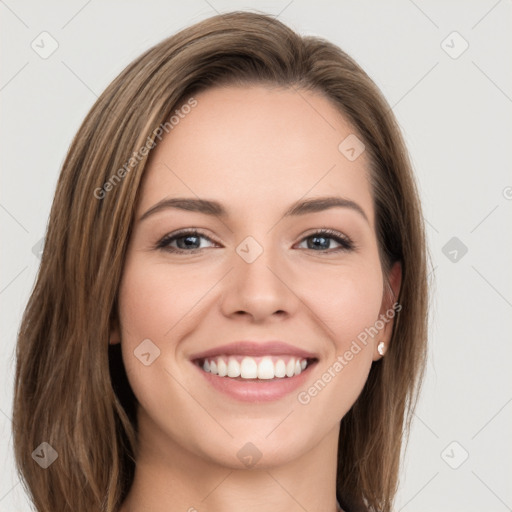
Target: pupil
322 238
187 240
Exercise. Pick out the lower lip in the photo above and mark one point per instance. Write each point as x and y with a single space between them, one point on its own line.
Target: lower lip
257 390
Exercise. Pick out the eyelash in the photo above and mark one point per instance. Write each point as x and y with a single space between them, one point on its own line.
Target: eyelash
345 242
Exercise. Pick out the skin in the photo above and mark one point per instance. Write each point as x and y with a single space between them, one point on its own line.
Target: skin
256 150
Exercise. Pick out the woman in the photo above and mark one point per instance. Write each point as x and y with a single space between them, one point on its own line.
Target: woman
231 308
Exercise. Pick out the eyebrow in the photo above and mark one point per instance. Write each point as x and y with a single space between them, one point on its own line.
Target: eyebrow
208 207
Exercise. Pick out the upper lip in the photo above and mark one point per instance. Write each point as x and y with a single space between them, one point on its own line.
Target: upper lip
255 348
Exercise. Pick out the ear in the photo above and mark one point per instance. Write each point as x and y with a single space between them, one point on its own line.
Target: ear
115 332
389 309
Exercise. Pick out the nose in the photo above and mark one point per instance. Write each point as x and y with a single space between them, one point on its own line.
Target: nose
260 289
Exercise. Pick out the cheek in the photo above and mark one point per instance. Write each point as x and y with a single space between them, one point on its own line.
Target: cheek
149 307
152 305
153 300
348 303
347 299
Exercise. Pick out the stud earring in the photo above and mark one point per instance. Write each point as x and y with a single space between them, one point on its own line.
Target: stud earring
380 348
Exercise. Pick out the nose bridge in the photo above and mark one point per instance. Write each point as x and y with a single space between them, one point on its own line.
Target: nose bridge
254 262
258 282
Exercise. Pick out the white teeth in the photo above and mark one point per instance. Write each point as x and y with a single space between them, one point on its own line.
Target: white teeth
264 368
248 368
280 369
233 368
290 368
222 369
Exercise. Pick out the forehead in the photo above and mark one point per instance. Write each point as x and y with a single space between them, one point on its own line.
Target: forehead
257 146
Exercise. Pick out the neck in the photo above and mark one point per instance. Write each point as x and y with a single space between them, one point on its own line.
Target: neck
170 478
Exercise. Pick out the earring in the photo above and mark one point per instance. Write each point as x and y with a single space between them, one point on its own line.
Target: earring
380 348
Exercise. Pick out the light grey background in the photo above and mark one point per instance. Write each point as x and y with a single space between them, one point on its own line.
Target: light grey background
456 117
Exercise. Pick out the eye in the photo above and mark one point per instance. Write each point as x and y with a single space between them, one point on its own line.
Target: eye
321 240
183 241
190 241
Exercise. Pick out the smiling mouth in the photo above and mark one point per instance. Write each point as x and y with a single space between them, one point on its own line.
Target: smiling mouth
261 368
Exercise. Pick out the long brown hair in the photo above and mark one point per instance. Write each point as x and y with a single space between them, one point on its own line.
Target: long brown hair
71 390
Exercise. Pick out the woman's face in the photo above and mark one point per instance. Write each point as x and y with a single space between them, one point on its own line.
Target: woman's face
251 272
